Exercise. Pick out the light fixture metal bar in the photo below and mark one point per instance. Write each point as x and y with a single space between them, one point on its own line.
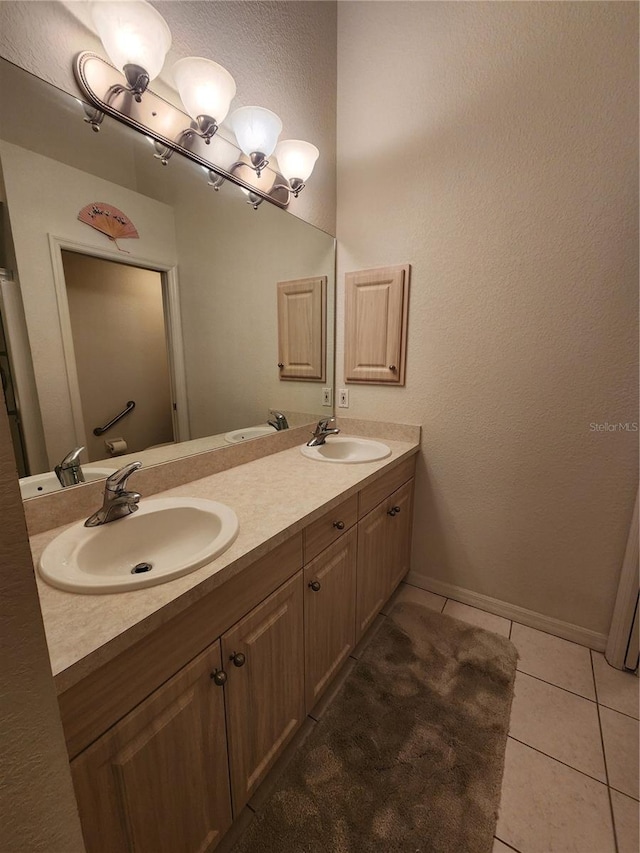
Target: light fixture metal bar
156 118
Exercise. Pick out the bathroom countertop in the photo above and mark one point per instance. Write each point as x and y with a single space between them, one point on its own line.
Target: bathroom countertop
274 497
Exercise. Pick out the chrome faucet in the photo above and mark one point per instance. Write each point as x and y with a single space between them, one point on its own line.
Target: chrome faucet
117 501
69 471
279 421
322 430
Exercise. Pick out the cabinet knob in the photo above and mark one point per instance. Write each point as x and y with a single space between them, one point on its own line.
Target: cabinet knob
219 677
238 659
280 365
396 509
393 511
339 525
392 368
315 586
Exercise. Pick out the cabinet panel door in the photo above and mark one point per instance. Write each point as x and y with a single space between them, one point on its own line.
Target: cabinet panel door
329 614
158 781
265 694
399 539
376 306
302 328
372 575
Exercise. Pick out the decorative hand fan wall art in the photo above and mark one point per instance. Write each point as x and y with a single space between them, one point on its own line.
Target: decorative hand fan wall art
109 221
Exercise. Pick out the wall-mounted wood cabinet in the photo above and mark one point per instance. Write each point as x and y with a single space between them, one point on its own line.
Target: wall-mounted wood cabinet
302 334
168 773
375 325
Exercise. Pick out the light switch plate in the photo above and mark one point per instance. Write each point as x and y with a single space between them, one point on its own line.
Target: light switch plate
343 398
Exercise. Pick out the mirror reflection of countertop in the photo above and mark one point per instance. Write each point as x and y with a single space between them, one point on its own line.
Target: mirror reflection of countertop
274 497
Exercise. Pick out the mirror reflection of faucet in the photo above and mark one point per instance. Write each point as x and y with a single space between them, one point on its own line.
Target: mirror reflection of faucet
279 421
69 472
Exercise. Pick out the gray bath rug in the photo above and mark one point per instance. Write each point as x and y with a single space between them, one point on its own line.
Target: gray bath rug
409 756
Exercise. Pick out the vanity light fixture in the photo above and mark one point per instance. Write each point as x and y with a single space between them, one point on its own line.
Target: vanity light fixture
206 90
136 38
296 159
257 130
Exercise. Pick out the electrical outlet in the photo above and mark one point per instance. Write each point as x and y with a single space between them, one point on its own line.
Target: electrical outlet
343 398
327 397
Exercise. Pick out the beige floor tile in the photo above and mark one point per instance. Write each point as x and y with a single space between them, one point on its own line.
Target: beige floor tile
554 660
479 618
407 592
499 847
616 689
558 723
620 736
547 807
625 816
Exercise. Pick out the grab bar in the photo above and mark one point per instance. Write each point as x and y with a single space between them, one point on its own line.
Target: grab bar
128 408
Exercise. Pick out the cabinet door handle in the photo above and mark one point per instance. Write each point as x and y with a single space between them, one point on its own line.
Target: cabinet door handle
219 677
393 511
396 509
339 525
280 365
392 368
238 659
315 586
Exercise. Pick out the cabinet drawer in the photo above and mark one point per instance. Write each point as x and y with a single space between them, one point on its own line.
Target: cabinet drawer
330 527
372 495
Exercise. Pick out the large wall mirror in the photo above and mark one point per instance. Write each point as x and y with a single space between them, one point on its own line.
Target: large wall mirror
181 320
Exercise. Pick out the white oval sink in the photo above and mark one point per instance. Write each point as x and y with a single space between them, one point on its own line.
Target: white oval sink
174 536
250 432
345 449
44 484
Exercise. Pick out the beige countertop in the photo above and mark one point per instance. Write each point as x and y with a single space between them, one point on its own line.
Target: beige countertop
274 497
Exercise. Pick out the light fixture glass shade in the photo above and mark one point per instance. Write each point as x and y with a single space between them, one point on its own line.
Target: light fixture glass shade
132 33
296 158
206 88
256 129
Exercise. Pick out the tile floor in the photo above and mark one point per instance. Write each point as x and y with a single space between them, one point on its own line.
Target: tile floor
571 769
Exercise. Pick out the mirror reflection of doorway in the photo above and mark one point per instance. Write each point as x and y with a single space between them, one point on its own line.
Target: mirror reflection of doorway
120 342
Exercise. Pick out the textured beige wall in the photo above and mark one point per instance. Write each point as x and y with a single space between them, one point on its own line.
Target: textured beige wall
494 147
37 806
282 56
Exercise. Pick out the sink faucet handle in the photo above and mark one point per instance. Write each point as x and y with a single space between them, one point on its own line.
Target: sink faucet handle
118 480
325 424
71 459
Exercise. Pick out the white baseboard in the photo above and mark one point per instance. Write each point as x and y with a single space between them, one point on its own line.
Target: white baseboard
566 630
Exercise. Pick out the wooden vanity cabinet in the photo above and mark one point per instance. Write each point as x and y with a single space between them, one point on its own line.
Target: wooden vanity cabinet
384 543
263 657
158 780
329 614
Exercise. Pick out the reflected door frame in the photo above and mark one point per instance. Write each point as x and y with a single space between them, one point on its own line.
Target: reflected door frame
173 327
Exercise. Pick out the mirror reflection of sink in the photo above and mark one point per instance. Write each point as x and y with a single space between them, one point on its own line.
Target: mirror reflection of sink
250 432
43 484
165 539
345 449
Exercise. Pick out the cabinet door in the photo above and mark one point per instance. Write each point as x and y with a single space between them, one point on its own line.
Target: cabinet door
372 576
263 656
158 781
329 614
376 306
399 539
302 328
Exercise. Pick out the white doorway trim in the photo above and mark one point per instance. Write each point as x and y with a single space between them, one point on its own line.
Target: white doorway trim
173 321
621 632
